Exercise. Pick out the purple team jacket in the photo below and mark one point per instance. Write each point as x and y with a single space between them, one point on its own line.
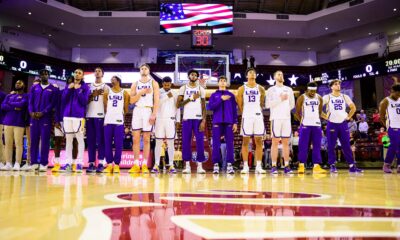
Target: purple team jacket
2 113
74 101
15 107
59 108
223 111
43 100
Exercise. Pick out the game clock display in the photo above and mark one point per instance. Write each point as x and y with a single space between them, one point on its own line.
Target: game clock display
202 37
392 65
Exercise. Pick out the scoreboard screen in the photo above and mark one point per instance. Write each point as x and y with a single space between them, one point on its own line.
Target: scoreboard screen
364 71
32 67
202 37
392 65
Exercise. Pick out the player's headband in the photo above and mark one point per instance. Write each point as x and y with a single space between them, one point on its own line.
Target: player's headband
312 88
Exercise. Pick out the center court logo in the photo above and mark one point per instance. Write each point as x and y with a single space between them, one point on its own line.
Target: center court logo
236 214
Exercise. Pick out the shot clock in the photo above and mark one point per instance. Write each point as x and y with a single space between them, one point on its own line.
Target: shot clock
202 37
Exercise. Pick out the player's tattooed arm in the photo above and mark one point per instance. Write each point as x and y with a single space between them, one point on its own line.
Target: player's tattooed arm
126 102
325 101
105 101
204 113
180 103
299 105
321 113
382 110
262 97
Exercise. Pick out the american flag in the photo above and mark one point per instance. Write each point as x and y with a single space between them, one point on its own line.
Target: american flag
179 17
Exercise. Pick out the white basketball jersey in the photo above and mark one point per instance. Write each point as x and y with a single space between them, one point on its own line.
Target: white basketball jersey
336 107
393 113
251 102
282 110
147 99
167 105
95 108
192 110
115 108
310 115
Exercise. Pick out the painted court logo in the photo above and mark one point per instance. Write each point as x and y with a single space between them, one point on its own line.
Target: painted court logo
233 215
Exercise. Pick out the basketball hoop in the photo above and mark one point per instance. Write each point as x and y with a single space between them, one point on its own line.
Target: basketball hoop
203 81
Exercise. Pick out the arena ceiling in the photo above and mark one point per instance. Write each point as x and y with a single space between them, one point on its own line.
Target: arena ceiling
302 7
66 25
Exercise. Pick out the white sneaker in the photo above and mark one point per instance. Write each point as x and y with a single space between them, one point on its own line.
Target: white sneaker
187 170
200 169
34 167
245 170
26 167
16 167
43 168
259 170
216 169
7 167
1 165
230 170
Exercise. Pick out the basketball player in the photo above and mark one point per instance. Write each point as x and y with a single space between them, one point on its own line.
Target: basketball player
250 99
390 115
116 103
58 128
224 107
42 103
167 117
280 101
95 121
337 127
145 95
75 99
308 112
192 99
15 106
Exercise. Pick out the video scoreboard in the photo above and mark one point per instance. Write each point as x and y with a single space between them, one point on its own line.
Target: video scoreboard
16 64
